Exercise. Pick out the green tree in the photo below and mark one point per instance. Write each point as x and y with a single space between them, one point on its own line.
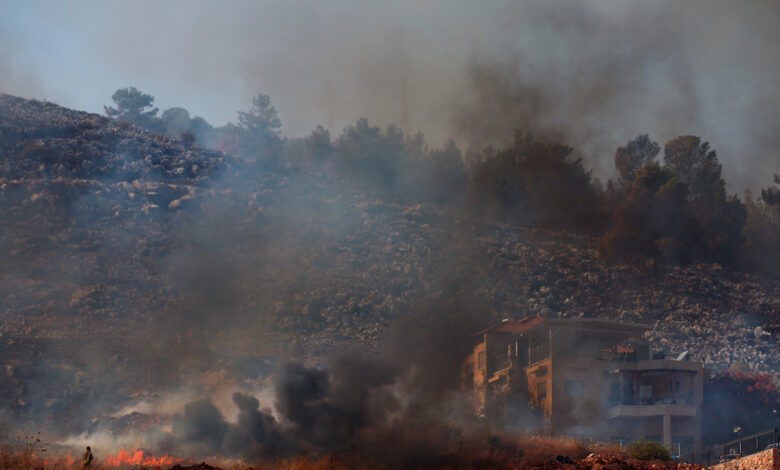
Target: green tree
634 155
260 131
133 106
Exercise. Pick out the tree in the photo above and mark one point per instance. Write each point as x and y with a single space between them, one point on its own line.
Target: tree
634 155
318 144
771 196
716 219
559 191
761 248
133 106
260 130
376 156
697 166
539 182
641 224
679 212
175 121
448 177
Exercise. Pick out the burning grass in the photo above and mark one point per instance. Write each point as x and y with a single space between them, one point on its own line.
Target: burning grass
33 457
472 452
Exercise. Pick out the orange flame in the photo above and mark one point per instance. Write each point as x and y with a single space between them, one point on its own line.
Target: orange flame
125 458
60 461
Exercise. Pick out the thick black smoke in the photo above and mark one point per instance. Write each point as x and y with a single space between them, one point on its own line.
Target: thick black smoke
349 404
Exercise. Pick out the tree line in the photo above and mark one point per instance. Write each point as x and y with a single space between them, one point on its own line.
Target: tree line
672 208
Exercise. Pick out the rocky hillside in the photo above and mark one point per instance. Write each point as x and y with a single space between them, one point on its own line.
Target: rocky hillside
110 231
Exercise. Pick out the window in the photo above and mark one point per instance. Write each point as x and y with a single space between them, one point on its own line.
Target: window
481 360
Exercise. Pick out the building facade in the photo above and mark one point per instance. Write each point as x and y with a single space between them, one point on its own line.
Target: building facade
589 377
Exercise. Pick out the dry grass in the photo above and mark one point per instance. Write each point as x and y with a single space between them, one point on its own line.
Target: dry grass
468 452
488 451
539 450
30 453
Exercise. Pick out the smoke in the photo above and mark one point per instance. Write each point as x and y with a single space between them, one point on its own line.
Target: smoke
354 402
592 73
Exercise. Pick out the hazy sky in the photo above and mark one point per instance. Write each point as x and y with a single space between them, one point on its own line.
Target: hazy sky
596 72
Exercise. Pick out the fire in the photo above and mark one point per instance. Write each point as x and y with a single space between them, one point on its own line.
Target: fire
67 460
137 457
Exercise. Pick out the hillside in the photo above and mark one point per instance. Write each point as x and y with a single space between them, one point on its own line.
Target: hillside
172 259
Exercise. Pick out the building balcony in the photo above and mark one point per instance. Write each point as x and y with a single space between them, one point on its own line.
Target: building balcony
658 409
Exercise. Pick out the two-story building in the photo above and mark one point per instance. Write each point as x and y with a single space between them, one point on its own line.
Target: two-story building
590 377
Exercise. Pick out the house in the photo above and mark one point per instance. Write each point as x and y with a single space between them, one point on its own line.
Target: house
589 377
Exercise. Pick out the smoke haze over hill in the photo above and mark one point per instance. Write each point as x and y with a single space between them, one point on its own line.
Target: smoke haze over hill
590 72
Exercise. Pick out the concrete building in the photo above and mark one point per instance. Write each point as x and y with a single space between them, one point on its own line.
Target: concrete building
590 377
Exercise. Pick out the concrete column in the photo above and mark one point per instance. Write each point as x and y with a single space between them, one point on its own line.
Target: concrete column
667 430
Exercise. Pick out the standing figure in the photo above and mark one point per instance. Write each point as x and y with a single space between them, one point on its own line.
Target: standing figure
88 458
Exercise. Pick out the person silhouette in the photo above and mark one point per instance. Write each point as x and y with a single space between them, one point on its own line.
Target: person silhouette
88 458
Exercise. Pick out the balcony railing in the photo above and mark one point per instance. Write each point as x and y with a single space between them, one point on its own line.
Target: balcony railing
680 399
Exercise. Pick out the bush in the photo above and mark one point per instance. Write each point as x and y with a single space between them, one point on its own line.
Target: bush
648 450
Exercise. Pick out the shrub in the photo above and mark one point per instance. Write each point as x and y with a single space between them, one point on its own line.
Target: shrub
648 450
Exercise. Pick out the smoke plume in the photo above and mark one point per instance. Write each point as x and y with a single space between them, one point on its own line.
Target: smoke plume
593 73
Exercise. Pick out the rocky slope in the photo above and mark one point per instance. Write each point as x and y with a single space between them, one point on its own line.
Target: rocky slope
163 257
